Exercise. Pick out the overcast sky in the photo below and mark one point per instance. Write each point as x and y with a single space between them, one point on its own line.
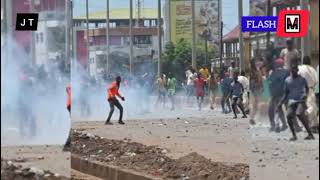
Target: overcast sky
229 9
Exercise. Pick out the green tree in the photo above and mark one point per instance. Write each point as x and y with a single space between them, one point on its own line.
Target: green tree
176 58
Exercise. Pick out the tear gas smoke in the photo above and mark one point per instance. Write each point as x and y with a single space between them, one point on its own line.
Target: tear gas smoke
33 108
89 96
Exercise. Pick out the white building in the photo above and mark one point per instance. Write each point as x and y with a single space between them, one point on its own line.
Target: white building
45 40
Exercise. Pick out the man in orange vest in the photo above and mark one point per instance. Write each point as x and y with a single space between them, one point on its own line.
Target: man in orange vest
68 142
68 89
113 91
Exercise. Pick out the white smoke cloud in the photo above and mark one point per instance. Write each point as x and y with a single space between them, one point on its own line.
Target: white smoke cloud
24 98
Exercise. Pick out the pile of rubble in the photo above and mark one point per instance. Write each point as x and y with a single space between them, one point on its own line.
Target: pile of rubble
153 160
10 171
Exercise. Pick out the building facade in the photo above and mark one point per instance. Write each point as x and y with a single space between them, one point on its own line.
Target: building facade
259 40
49 11
145 40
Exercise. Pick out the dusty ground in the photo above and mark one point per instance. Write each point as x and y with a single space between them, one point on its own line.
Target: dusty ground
209 133
153 160
273 156
49 158
216 136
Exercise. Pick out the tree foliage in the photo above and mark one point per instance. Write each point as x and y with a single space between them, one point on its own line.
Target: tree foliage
177 58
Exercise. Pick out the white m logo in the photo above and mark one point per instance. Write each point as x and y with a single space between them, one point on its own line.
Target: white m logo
292 23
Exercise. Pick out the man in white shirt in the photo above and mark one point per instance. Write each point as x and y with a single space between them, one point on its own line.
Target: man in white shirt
245 83
231 69
310 74
288 54
190 75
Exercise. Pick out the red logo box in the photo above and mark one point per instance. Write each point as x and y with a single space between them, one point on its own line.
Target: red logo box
293 23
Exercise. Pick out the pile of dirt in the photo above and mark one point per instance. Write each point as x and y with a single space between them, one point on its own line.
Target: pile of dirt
10 171
153 160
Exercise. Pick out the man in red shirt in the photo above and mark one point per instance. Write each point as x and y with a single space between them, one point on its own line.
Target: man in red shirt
113 91
68 89
199 84
68 142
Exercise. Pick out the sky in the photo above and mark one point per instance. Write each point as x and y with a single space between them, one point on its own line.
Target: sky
229 9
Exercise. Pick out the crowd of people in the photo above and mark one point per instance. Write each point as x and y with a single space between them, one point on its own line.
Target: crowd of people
293 87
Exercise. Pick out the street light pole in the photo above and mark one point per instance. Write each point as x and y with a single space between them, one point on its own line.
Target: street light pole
33 53
220 37
68 20
87 34
241 58
131 39
268 14
169 26
221 48
194 63
304 40
71 29
159 37
107 35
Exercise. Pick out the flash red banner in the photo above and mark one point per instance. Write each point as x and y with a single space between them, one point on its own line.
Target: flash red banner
293 23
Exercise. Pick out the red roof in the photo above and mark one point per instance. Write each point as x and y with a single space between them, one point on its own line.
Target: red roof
234 35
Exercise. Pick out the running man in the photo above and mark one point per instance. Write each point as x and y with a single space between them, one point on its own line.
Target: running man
226 90
172 83
237 91
232 69
310 74
213 86
68 142
276 81
162 83
68 89
289 53
113 91
296 91
199 83
256 88
245 84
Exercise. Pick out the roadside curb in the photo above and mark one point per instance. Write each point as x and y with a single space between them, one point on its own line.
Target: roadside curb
104 171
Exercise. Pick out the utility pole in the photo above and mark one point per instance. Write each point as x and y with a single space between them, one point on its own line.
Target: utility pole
87 34
169 26
220 36
221 48
68 20
5 33
304 40
131 39
194 62
33 53
241 58
107 35
71 29
159 37
269 8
